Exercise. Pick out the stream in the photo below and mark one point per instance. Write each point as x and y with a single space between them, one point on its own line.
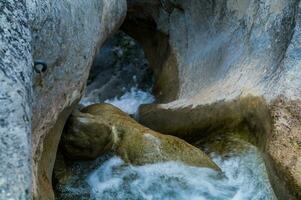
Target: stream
243 176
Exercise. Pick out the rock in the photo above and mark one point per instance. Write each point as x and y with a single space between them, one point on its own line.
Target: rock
65 34
15 101
223 51
61 171
133 142
193 123
215 50
202 52
274 128
86 137
283 148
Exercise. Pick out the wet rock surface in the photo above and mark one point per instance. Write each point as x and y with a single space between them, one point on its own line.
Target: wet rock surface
221 49
274 128
109 177
193 123
109 128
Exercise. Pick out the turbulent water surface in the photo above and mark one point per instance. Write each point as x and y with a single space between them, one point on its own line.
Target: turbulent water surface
130 101
244 178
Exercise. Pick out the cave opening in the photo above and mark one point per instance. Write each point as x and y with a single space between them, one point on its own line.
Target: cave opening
120 75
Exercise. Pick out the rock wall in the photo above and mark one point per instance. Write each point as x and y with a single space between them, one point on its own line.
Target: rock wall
202 52
65 34
15 101
224 49
214 53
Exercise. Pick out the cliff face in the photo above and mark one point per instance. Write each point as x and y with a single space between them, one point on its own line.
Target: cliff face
224 49
15 100
65 34
237 48
207 57
214 52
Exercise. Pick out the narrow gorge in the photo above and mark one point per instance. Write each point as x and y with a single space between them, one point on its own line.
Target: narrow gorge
150 99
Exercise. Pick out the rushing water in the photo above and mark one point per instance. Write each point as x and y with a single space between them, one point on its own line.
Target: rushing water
244 175
244 179
130 101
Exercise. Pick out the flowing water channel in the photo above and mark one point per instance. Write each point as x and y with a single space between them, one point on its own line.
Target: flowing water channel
243 176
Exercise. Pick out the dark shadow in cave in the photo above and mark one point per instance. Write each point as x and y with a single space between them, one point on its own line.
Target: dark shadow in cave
119 66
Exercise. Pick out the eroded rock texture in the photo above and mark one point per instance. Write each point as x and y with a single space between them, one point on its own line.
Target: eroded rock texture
65 34
100 128
223 49
214 52
15 101
202 52
284 147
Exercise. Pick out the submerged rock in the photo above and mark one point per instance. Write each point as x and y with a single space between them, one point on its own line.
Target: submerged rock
108 128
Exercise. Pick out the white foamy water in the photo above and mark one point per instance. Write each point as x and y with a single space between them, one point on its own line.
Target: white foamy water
130 101
244 178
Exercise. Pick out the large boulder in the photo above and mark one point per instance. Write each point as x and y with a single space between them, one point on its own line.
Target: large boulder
65 35
15 101
283 147
208 54
100 128
192 123
214 50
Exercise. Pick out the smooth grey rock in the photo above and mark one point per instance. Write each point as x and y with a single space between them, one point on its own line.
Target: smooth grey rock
65 34
15 101
225 49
